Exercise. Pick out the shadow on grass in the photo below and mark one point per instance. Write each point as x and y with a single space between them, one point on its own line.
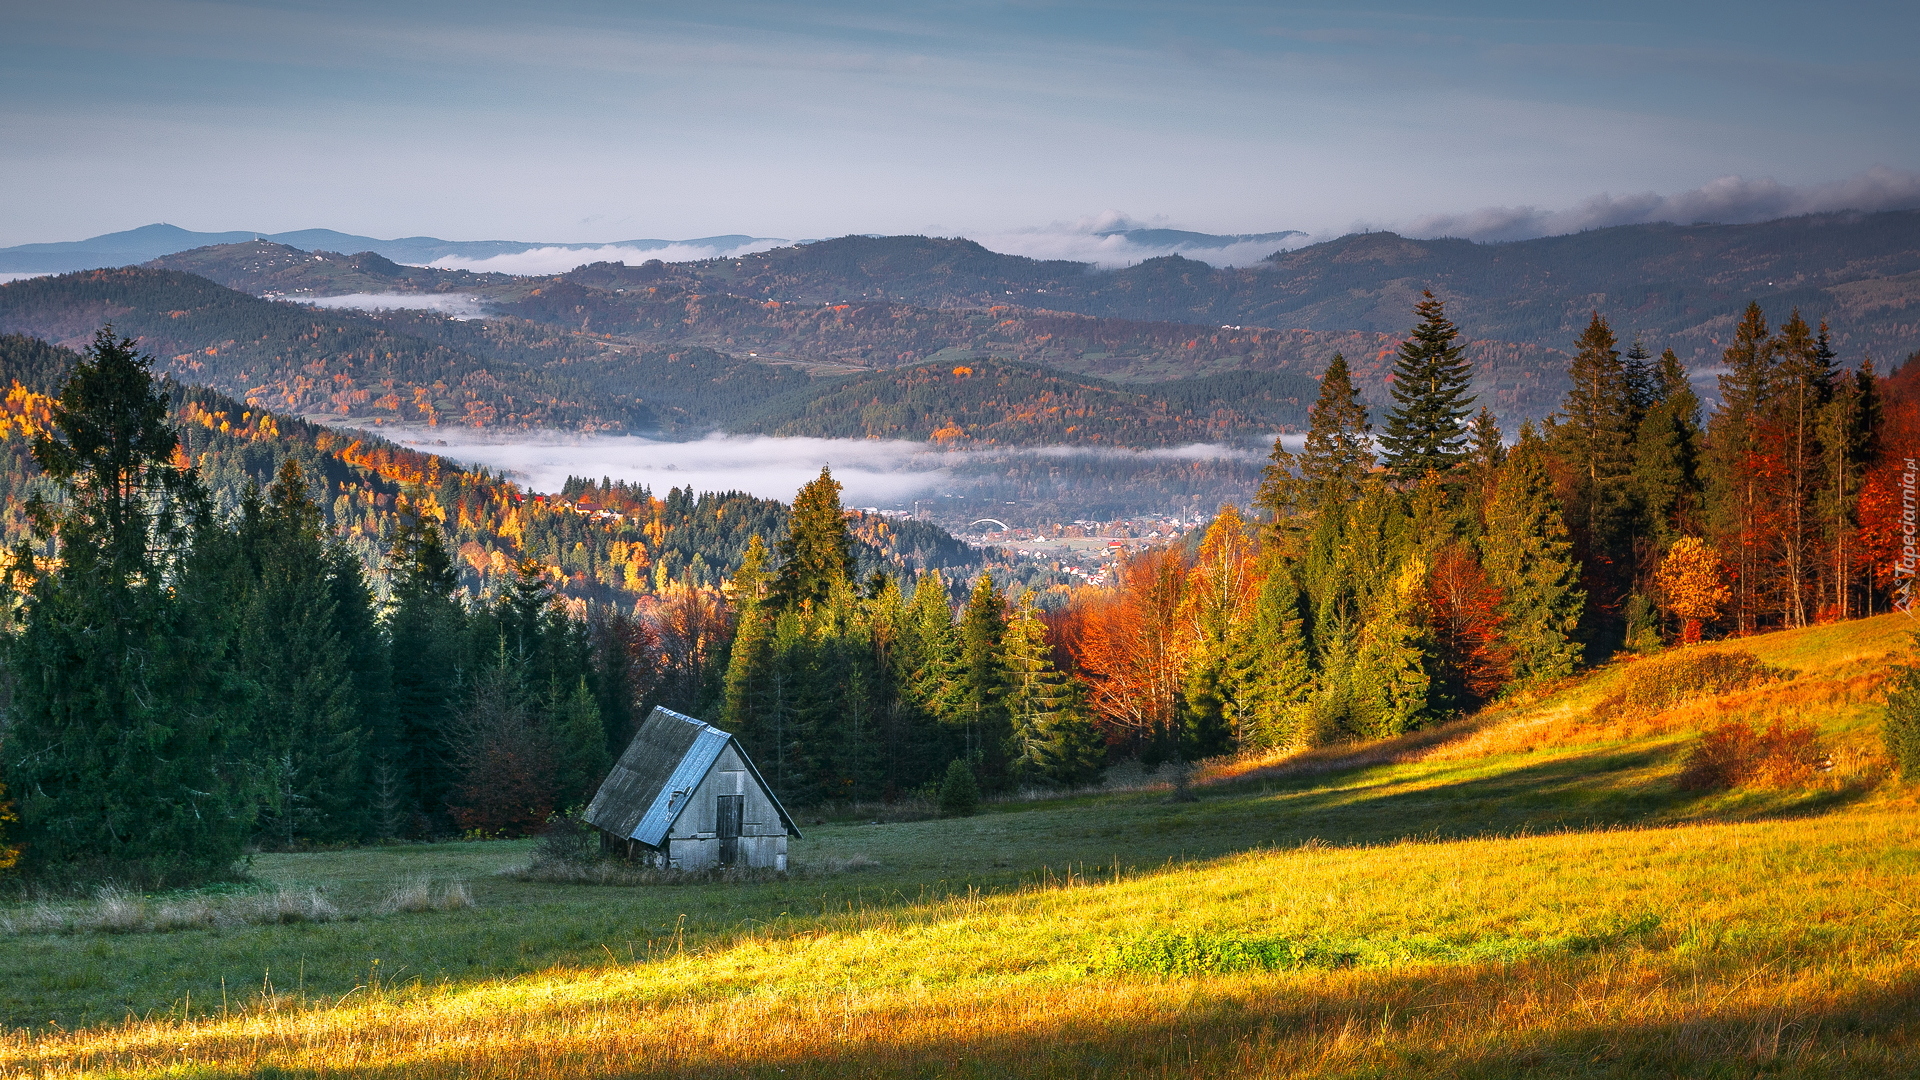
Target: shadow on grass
1601 787
1527 1020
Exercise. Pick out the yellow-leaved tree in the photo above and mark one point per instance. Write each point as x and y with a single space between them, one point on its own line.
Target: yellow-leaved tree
1693 585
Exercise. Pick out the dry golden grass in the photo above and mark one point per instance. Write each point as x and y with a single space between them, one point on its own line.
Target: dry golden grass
1784 947
1837 671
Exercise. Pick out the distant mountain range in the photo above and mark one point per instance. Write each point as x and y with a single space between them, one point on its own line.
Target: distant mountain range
153 241
415 367
766 340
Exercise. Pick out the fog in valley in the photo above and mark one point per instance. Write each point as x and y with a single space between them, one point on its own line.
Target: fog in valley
1021 485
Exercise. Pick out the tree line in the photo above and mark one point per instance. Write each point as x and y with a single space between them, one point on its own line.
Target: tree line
1404 574
186 680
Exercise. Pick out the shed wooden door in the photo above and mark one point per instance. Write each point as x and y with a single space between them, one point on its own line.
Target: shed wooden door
727 813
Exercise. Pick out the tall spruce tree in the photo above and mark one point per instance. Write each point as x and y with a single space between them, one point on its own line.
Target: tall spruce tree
1054 741
1272 663
427 628
742 709
311 728
1666 456
1846 432
1527 555
1737 489
1593 437
1804 376
120 743
817 552
973 699
1426 428
1219 596
1335 459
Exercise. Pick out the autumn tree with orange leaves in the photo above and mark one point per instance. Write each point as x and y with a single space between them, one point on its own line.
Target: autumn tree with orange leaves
1693 585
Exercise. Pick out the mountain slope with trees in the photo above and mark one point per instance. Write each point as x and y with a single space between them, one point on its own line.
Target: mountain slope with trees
989 402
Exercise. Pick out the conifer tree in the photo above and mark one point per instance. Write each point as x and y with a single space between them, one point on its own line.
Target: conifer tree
1593 438
1337 455
817 552
926 653
1426 428
1489 449
1392 677
581 760
119 746
1529 559
744 709
845 748
1643 384
1846 433
426 627
1666 454
974 697
1054 742
291 655
1804 376
1736 475
1219 594
1272 663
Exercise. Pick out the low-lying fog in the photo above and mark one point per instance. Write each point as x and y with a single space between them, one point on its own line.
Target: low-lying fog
1031 484
459 307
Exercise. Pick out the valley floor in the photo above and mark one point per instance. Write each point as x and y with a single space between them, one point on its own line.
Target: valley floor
1523 894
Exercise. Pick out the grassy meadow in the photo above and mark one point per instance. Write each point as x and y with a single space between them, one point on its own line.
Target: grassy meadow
1525 893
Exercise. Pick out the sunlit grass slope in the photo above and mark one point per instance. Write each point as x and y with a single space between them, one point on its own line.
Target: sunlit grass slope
1549 906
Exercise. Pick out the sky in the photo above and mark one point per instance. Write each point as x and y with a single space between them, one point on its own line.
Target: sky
1032 125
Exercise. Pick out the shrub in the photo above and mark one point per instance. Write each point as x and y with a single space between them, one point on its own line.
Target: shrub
1734 755
1901 731
566 839
1655 685
959 792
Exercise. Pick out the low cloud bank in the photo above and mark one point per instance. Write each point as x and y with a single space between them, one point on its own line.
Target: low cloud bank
1729 200
460 307
1113 239
885 473
22 275
559 260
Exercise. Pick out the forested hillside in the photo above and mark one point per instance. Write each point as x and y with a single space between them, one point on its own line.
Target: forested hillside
262 267
368 488
1516 381
989 402
297 360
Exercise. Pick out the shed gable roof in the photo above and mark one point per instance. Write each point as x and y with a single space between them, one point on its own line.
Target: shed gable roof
649 787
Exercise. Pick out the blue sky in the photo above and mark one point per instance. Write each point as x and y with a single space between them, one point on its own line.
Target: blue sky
580 121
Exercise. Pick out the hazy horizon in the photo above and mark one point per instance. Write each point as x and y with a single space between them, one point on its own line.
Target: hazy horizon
1016 124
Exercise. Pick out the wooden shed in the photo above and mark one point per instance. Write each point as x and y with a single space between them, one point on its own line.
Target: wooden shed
687 797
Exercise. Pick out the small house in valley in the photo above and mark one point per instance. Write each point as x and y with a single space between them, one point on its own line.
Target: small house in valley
685 796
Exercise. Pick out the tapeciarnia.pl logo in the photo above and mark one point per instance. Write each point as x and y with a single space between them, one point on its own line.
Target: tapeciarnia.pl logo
1905 565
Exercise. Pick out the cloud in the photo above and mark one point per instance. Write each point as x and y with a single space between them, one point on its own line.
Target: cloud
559 260
1729 200
22 275
460 307
1113 239
875 472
